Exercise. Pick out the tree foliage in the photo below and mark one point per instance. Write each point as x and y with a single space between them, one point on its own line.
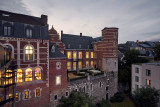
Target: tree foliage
77 99
157 51
103 103
146 97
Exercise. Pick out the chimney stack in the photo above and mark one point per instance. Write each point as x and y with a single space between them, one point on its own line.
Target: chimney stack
44 19
61 32
80 34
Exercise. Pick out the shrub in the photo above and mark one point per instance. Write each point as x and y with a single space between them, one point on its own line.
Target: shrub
118 97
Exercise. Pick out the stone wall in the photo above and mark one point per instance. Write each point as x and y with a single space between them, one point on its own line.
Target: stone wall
100 86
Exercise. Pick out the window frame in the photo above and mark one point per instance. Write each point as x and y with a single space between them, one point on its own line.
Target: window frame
24 53
57 68
87 55
70 65
7 25
68 54
30 29
148 72
25 75
39 92
79 55
35 73
60 80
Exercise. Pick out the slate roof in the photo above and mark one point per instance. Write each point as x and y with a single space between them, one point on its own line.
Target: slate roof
152 44
75 41
97 39
15 17
144 45
56 54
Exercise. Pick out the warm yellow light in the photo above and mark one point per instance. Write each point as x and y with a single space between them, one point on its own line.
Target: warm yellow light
58 80
74 55
91 54
74 65
80 55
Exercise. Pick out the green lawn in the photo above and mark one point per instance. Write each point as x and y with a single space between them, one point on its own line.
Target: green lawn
126 103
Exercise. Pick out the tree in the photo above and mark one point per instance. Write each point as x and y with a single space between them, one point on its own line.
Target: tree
146 97
77 99
103 103
157 51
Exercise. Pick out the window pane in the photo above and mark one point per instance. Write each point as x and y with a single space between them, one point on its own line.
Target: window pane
28 74
37 92
80 55
91 54
5 30
68 65
87 54
37 74
69 55
74 65
19 75
58 80
87 64
26 94
28 53
79 64
74 55
9 30
92 64
17 96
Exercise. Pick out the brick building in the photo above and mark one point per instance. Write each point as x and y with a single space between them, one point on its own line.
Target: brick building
43 60
28 38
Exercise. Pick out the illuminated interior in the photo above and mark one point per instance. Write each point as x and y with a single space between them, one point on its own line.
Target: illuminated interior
69 65
87 64
80 55
92 65
79 64
58 80
19 76
58 65
74 55
37 92
28 53
0 77
87 54
26 94
28 74
1 98
37 74
69 55
91 54
8 74
17 97
74 65
10 95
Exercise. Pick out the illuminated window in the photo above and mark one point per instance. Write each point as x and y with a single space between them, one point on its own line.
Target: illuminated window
28 74
69 55
95 47
148 82
1 98
28 53
69 65
58 65
17 97
91 54
8 74
58 80
80 55
19 76
74 65
79 64
26 94
38 74
10 95
92 65
74 55
87 64
0 77
37 92
87 54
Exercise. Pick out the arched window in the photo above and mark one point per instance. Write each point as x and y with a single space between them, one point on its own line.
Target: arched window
19 76
37 74
8 80
28 74
28 53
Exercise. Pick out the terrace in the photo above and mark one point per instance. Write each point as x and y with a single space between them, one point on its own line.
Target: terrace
74 75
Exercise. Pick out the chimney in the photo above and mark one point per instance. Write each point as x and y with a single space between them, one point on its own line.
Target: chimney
44 19
137 41
61 32
80 34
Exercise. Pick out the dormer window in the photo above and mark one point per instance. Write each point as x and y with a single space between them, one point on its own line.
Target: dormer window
68 45
88 46
29 32
80 46
7 29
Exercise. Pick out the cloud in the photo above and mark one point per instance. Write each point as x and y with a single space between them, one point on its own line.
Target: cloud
14 6
133 18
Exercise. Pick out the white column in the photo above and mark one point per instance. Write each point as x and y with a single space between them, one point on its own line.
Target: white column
18 53
38 60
